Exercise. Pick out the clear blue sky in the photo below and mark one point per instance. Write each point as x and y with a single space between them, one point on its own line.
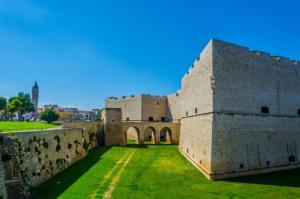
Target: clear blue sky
82 51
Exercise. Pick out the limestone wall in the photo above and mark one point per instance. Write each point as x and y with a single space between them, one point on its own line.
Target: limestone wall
35 156
113 127
153 106
246 140
196 101
244 144
197 86
140 107
130 105
174 107
195 140
245 81
93 128
2 182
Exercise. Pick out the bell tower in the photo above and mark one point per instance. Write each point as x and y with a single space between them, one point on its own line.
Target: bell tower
35 96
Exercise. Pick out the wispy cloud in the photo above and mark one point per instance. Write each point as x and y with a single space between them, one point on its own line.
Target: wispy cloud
25 9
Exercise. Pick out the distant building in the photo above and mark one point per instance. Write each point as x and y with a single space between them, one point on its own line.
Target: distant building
35 96
51 106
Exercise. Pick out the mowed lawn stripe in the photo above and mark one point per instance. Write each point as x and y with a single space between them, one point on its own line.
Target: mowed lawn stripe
89 182
113 184
105 182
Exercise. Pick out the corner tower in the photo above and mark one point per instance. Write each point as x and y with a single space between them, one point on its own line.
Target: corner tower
35 95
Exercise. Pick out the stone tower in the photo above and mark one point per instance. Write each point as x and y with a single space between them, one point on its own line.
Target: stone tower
35 95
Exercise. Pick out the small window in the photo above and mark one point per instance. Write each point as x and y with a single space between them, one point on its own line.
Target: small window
292 158
299 112
163 119
113 121
268 163
264 110
187 113
200 161
196 110
241 166
187 150
150 119
157 103
127 118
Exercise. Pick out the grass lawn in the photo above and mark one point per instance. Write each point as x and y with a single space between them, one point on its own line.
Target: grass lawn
157 171
21 126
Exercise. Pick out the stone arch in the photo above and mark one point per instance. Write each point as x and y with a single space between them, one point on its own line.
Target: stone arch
132 135
165 135
150 134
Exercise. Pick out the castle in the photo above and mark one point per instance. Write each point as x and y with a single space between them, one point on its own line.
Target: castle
237 113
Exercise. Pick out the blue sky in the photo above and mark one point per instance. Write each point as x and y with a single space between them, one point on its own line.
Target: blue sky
82 51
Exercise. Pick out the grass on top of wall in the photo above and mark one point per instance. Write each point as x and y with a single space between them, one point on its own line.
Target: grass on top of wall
23 126
157 171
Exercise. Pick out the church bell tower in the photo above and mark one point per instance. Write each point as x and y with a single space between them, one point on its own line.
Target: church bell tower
35 96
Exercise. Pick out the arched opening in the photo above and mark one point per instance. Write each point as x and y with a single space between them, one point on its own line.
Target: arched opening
166 136
132 135
150 135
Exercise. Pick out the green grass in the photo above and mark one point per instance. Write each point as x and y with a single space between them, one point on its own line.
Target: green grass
21 126
158 171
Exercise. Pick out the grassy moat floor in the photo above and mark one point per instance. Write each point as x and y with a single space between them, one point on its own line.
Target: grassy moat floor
24 126
157 171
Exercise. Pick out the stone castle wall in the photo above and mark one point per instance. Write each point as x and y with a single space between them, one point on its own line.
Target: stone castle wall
93 128
196 101
154 106
228 135
30 158
3 193
140 107
130 105
245 140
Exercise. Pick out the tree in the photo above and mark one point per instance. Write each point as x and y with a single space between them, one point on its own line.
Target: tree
49 115
13 105
26 105
3 104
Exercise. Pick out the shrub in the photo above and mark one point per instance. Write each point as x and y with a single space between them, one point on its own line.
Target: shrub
49 115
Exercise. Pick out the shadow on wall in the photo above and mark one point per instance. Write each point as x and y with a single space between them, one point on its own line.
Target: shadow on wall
288 178
62 181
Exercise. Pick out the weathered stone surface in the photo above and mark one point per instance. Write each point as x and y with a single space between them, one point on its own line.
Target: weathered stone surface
29 158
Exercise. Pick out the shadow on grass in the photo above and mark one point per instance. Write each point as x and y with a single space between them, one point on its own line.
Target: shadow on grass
63 180
288 178
136 146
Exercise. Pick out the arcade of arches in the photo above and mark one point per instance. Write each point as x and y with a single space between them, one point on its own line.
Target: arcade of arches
149 135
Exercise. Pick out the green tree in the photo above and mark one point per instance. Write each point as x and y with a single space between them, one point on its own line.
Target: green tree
3 105
26 105
49 115
14 105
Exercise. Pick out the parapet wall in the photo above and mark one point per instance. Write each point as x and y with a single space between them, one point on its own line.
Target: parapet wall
93 128
30 158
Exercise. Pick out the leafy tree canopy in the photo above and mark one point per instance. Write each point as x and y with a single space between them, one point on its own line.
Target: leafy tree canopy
3 103
49 115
